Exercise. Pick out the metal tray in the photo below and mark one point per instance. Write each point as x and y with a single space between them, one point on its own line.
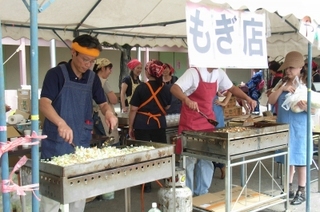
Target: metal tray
81 181
261 137
258 129
160 151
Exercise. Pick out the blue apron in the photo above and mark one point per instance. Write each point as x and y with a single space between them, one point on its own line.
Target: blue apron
297 133
218 111
74 105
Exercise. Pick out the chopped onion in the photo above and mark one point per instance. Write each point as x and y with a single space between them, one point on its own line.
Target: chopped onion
83 155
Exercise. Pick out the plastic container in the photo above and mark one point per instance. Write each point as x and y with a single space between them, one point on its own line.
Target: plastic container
154 208
23 126
108 196
27 132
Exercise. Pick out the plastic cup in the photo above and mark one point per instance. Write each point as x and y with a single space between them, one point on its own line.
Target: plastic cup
27 132
25 146
12 139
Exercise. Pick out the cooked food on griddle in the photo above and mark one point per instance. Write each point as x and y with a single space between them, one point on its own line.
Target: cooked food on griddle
84 155
233 129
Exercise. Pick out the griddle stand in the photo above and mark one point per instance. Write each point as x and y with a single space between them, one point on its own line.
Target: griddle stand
82 181
258 143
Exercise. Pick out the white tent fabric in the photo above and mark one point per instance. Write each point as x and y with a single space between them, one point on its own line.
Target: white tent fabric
122 21
284 7
66 15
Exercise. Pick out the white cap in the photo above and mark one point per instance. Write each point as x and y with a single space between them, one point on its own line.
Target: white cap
154 205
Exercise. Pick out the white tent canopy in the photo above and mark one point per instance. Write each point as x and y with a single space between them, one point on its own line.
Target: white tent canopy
140 22
149 22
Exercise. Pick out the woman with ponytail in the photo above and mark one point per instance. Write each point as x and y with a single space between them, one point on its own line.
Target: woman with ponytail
148 106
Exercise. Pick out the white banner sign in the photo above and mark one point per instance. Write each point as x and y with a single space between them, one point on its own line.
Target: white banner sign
225 38
308 30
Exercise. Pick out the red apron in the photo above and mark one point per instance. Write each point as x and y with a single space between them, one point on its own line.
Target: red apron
192 120
153 96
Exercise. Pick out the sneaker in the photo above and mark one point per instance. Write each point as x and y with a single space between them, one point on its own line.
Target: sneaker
299 198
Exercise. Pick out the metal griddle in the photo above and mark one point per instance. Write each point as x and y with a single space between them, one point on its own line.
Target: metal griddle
260 137
81 181
254 145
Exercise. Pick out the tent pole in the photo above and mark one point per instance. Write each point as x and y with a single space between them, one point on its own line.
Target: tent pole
287 22
3 133
146 59
138 50
53 53
309 130
34 66
22 59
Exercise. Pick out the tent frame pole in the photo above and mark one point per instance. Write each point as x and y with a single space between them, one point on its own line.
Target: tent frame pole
3 133
34 67
309 129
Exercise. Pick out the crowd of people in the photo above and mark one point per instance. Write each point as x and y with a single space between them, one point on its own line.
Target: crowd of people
77 101
198 89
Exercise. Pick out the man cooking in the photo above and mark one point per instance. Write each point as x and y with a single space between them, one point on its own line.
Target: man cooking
66 102
196 88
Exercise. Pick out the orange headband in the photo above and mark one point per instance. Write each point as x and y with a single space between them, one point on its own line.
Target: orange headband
84 50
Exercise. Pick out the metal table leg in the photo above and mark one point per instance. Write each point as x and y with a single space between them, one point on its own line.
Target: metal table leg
243 171
127 196
22 197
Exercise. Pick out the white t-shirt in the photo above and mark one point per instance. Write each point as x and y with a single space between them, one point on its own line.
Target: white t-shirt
189 81
106 87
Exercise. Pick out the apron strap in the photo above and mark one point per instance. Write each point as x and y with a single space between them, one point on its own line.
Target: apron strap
133 88
200 78
154 116
153 97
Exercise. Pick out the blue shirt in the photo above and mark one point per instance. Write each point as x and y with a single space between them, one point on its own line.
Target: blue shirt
54 81
255 80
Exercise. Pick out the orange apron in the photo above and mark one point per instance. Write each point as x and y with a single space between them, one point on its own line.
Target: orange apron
153 96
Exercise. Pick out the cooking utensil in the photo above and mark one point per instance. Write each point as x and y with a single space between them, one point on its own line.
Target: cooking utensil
72 144
248 121
211 121
109 141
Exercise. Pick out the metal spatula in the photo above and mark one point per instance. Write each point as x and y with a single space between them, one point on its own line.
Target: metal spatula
248 122
211 121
